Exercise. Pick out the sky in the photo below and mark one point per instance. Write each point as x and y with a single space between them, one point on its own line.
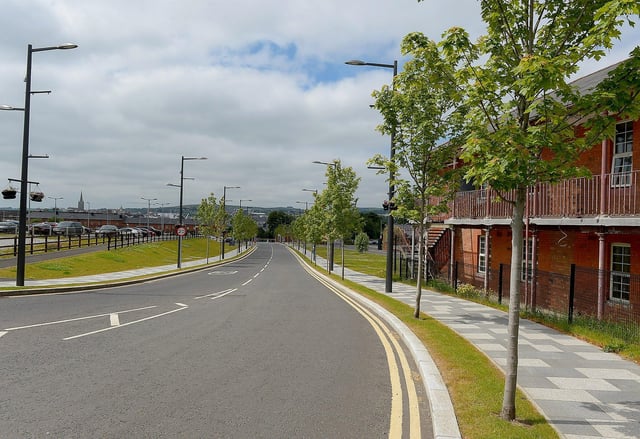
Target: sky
259 87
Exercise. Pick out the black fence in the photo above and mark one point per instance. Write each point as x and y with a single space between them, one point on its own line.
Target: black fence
569 296
44 243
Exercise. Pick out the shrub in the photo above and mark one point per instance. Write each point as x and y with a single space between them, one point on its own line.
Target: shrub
362 242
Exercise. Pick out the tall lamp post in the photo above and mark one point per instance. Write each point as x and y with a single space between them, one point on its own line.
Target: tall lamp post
181 186
148 200
389 275
22 223
55 207
224 211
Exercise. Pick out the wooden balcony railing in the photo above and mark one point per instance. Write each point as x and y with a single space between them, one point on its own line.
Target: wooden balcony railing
612 195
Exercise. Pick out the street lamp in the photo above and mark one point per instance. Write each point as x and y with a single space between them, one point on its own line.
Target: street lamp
241 203
181 186
389 275
148 200
161 215
224 213
55 207
22 223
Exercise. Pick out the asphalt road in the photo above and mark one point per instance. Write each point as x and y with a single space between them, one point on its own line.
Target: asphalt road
257 348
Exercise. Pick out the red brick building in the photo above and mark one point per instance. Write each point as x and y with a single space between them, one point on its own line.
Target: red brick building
589 223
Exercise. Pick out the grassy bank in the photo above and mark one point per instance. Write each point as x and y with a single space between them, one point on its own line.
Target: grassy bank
121 259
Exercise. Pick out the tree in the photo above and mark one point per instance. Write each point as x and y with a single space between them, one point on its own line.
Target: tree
521 105
337 202
211 219
421 110
243 227
362 242
275 219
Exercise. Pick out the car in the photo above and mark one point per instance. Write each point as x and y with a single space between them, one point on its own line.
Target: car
107 230
8 227
43 228
69 228
131 231
157 232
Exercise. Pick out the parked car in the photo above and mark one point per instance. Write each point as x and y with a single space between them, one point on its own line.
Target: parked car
107 230
8 227
68 228
131 231
43 228
157 232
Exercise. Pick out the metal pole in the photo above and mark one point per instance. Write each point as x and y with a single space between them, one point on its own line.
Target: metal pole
388 285
180 212
22 219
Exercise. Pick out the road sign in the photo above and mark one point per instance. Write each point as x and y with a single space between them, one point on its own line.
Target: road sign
181 231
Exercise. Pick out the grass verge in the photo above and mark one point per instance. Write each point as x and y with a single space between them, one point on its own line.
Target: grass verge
475 384
121 259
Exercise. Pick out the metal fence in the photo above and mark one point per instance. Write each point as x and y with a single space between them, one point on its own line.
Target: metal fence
44 244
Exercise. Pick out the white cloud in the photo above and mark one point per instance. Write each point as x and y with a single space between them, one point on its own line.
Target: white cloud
259 87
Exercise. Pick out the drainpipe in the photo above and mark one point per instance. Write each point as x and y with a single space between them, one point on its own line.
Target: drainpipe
603 176
486 258
452 261
601 268
534 271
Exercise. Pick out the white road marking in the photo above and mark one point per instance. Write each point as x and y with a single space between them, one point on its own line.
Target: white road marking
77 319
125 324
247 282
224 294
216 294
2 333
181 304
222 273
114 320
256 275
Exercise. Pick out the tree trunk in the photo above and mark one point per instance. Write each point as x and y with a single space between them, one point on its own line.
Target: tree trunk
416 313
511 376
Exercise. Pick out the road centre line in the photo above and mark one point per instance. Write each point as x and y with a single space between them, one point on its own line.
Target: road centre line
78 318
247 282
125 324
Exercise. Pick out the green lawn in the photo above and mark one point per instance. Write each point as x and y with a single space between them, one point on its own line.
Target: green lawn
121 259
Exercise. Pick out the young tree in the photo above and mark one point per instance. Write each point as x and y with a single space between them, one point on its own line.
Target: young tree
243 227
516 85
208 216
421 110
341 216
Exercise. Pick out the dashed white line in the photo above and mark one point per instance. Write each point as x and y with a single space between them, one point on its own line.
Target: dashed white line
2 333
247 282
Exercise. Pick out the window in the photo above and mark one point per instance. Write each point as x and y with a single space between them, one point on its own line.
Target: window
527 260
482 254
622 155
620 271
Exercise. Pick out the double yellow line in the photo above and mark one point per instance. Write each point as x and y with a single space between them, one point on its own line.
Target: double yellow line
395 354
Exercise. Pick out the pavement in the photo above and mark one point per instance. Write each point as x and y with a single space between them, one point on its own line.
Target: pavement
582 391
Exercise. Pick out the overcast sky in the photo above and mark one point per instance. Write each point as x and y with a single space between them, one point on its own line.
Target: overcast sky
258 86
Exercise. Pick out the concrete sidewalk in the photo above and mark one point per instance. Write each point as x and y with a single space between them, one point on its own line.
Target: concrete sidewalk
582 391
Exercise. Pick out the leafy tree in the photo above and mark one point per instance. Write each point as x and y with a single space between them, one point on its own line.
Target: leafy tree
210 217
521 104
276 218
420 111
337 202
362 242
371 225
243 227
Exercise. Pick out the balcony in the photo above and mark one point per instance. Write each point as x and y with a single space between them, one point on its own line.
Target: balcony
612 196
